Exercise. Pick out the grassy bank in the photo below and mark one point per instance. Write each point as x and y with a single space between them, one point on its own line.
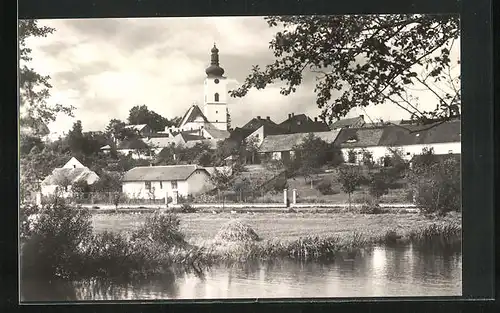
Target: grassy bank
302 236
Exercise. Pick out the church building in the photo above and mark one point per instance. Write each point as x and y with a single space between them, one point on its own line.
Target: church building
213 116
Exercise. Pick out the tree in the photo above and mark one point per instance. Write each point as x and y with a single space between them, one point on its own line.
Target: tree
350 179
361 60
379 184
252 147
35 88
311 155
140 114
437 188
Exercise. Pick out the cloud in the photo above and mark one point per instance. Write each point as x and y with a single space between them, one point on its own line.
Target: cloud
104 67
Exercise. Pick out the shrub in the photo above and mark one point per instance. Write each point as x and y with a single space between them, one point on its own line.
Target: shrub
163 229
185 208
437 188
350 179
279 184
52 248
379 184
325 187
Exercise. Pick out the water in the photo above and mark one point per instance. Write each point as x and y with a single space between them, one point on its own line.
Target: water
379 272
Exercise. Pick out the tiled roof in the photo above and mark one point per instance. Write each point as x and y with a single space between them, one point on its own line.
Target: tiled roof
421 134
137 127
359 137
303 124
348 123
161 173
287 142
215 132
189 136
59 175
256 123
160 142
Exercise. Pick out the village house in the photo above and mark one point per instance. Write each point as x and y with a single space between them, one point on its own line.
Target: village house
156 182
353 142
409 140
62 178
442 138
302 123
355 122
281 147
142 130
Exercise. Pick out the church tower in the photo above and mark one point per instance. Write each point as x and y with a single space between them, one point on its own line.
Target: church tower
215 103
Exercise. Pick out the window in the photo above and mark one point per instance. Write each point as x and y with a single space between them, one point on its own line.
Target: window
161 185
216 121
450 151
174 184
74 166
407 153
147 185
216 112
216 97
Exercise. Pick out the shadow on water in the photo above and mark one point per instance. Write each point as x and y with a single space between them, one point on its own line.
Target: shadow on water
433 268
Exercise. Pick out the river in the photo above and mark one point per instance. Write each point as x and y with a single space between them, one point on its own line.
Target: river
378 272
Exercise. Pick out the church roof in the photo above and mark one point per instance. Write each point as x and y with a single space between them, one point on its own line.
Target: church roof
214 70
215 132
192 114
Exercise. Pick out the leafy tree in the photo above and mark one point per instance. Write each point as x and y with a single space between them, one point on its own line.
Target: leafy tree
311 154
379 184
426 158
437 188
361 60
350 179
351 156
35 88
228 117
28 142
252 147
368 159
140 114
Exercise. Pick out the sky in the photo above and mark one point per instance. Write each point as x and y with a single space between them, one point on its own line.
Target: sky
104 67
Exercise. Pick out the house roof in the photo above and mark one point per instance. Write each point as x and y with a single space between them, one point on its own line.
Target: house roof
159 142
215 132
137 127
257 122
240 133
161 173
359 137
186 136
354 122
135 143
191 115
287 142
301 123
59 175
421 134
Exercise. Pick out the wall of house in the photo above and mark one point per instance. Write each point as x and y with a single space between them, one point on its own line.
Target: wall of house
135 154
196 124
259 134
198 182
408 151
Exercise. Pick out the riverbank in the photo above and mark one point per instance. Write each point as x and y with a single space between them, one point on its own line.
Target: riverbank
298 235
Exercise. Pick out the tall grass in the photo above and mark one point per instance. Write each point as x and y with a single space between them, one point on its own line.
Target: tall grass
62 244
328 248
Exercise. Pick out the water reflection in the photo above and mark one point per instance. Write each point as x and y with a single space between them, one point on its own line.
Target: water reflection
414 270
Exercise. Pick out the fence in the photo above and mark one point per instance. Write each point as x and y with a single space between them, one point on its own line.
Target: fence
107 198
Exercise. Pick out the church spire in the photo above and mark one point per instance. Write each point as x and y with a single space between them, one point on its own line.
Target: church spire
214 70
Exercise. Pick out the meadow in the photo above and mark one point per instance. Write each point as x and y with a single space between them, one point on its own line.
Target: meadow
200 227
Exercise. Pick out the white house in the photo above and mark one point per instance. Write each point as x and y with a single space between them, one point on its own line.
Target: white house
409 140
156 182
62 178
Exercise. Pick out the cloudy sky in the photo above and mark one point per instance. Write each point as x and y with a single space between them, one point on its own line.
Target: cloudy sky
104 67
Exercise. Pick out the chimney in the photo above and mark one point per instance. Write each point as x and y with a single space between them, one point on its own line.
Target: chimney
362 117
293 114
258 117
268 118
289 116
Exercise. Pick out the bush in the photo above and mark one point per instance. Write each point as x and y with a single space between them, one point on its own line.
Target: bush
437 188
278 185
163 229
379 184
185 208
52 247
325 187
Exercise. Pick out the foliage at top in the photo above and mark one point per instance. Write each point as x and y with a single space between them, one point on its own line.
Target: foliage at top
35 88
140 114
360 60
